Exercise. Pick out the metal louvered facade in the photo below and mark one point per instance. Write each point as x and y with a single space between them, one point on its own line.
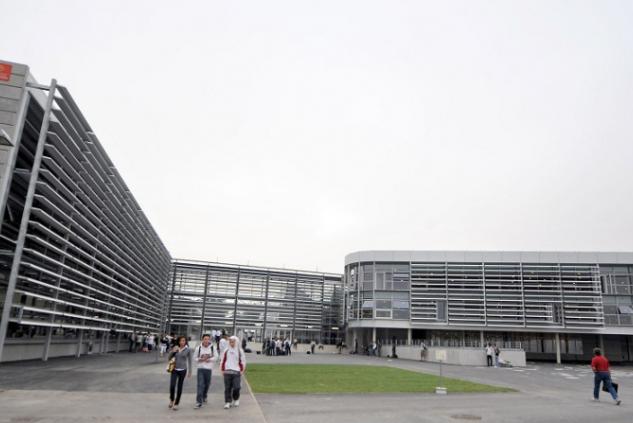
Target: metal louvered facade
531 300
80 261
257 301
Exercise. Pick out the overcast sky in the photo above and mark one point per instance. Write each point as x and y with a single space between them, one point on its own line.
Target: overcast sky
291 133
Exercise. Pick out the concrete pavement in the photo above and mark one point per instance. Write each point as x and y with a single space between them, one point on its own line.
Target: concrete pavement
114 388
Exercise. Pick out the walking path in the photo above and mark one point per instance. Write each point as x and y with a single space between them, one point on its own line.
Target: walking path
109 388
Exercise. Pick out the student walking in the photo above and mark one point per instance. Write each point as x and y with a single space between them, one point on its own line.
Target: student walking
204 355
182 355
602 374
223 343
232 365
164 343
497 352
489 353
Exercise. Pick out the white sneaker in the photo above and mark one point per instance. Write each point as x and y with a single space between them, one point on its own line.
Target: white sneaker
236 403
595 399
227 406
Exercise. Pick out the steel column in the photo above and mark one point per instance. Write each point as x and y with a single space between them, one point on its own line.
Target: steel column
171 299
204 301
323 319
237 288
294 310
265 306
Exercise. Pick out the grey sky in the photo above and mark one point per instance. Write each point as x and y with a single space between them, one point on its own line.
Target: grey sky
291 133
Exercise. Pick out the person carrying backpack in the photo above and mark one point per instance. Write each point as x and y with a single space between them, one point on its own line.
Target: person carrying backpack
232 365
204 355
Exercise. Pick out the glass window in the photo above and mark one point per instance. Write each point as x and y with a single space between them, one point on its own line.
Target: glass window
400 304
383 303
400 314
383 314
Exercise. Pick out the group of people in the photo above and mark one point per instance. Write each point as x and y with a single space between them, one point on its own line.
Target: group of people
182 359
278 346
142 342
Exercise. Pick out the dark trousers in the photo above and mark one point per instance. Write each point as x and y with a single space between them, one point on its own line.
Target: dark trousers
232 382
489 357
288 350
204 383
177 378
603 377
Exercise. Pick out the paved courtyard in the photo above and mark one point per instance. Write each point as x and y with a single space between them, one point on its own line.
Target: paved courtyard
133 387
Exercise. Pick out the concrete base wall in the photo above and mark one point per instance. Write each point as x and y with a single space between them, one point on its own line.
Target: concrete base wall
16 350
460 356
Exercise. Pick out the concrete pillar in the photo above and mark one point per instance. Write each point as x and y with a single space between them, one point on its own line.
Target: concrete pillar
602 345
373 335
80 341
118 341
354 339
481 339
557 342
409 336
47 344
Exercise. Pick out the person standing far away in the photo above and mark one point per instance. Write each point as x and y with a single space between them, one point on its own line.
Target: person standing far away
489 353
232 365
602 374
164 342
182 353
223 344
497 352
204 355
312 346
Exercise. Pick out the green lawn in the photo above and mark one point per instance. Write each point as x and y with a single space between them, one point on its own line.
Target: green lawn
326 378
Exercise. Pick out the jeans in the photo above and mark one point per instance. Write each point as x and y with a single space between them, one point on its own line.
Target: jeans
177 377
232 382
489 362
204 382
606 378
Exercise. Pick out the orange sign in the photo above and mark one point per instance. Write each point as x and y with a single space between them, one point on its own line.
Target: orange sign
5 71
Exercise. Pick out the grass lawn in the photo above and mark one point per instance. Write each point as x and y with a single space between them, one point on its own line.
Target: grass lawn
325 378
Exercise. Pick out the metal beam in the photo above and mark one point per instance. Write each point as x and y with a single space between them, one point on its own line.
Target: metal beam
237 288
266 306
204 301
26 216
171 299
294 309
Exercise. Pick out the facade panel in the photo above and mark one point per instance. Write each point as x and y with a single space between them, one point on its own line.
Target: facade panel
80 261
255 301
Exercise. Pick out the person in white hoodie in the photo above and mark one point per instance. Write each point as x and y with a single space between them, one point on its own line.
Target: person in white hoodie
232 365
204 356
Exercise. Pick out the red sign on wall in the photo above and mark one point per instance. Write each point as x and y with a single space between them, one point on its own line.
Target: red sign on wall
5 71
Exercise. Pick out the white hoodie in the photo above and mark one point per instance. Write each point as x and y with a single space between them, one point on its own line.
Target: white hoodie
233 358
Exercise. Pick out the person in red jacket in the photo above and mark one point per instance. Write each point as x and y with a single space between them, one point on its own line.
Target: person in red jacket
602 374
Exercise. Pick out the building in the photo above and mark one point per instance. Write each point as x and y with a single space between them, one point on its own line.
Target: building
555 305
80 265
258 302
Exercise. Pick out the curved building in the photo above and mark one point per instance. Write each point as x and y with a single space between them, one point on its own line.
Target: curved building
551 304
